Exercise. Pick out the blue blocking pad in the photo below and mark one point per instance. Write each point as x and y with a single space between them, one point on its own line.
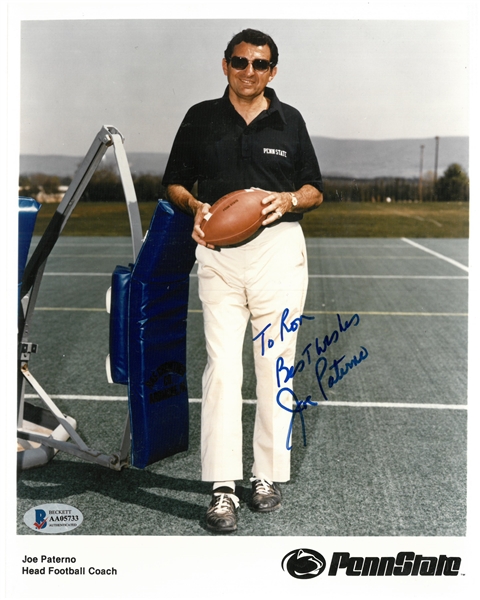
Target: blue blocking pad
120 295
27 216
148 327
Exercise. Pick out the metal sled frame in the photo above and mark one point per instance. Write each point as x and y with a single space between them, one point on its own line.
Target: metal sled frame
51 443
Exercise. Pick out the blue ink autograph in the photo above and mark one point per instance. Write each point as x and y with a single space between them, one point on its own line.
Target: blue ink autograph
333 338
300 406
294 325
340 371
320 348
336 371
284 327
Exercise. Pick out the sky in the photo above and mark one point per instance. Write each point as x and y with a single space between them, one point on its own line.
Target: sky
351 78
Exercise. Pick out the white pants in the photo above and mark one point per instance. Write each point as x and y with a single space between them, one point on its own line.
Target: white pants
256 281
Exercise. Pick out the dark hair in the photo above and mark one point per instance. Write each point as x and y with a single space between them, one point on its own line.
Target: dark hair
256 38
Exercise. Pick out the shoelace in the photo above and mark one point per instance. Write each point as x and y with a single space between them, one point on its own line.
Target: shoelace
222 502
262 486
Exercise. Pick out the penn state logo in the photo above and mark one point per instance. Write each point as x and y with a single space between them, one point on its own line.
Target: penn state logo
304 563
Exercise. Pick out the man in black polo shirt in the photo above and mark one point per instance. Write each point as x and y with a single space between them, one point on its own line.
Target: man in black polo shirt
247 138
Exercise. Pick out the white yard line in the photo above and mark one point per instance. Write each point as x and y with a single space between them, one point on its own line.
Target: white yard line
314 312
59 274
385 313
69 308
323 403
312 276
388 277
437 254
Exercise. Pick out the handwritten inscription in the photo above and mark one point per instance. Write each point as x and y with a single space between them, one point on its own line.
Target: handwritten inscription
328 372
318 346
328 340
300 406
339 371
285 327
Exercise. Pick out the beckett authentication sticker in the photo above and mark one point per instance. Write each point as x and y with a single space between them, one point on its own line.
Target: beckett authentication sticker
53 518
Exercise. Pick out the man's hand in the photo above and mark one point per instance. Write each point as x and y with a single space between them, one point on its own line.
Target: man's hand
186 202
276 205
197 233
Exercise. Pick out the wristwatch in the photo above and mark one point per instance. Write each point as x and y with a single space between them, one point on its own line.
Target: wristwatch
294 199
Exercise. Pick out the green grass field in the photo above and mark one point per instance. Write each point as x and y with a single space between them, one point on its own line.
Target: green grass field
332 219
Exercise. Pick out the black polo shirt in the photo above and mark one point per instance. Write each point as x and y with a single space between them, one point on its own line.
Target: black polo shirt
216 147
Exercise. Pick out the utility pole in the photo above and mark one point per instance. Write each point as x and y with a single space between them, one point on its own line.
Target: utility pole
420 191
437 141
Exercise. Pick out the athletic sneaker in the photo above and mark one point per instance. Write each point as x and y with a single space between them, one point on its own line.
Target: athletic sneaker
267 495
222 513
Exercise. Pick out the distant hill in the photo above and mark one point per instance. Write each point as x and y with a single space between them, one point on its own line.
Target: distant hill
64 166
359 159
362 159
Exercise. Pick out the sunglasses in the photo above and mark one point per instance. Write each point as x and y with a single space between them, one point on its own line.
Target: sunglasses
259 64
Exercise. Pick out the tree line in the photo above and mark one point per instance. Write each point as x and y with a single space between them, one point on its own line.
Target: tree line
105 186
453 186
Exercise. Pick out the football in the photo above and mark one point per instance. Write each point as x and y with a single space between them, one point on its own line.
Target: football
234 218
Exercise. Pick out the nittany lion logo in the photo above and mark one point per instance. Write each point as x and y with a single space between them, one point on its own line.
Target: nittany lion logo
304 563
